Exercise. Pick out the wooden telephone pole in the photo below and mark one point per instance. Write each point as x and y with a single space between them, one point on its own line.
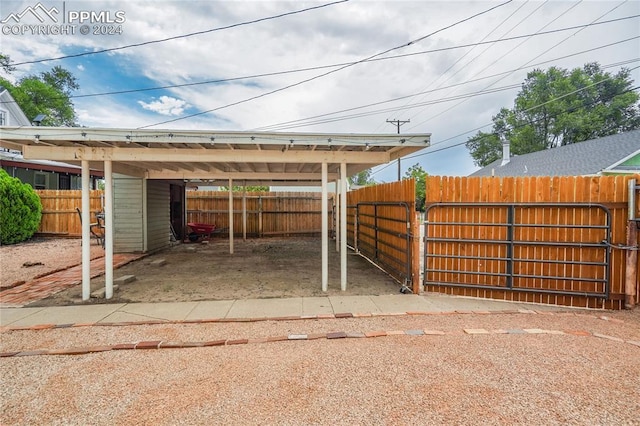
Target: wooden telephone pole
398 123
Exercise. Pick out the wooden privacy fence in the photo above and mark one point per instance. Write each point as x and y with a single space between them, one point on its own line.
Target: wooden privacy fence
59 215
267 213
555 240
382 226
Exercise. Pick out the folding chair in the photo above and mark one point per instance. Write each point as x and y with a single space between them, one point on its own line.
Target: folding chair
95 228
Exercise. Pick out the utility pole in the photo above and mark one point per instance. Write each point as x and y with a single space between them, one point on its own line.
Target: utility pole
398 123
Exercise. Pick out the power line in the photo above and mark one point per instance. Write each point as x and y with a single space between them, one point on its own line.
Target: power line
315 120
569 110
146 43
528 62
388 110
276 73
504 55
433 82
329 72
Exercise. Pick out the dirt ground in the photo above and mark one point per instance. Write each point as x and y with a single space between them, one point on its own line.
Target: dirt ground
40 256
259 268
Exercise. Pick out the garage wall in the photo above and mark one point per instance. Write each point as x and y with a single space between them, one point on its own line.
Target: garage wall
128 214
158 215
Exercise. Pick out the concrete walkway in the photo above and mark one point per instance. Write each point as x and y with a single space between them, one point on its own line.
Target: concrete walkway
253 309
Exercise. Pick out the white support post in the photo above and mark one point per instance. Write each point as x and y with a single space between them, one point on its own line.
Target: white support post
343 226
86 233
230 216
108 229
244 212
325 230
337 214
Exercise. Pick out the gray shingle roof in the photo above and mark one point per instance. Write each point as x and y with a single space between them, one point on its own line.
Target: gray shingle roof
583 158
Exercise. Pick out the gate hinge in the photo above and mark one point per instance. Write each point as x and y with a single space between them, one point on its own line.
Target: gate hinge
620 246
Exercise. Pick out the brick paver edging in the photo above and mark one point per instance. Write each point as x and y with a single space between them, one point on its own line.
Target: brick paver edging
9 328
161 344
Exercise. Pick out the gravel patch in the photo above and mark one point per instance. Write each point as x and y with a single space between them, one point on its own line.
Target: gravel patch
36 257
455 378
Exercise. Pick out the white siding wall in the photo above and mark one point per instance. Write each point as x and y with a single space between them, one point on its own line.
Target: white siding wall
158 219
128 214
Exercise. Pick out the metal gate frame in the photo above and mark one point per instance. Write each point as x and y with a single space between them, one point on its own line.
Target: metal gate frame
510 243
399 269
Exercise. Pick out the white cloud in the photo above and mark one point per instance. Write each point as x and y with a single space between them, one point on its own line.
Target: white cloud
166 105
80 67
337 34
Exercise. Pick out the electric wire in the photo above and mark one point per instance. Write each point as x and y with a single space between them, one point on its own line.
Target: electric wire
501 57
303 122
569 110
315 68
329 72
433 82
146 43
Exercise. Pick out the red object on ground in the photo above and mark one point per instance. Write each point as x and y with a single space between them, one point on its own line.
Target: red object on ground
200 230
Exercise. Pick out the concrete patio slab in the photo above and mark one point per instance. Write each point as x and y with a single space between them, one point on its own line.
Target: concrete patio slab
152 311
353 304
452 303
258 308
210 309
316 306
68 315
401 303
8 316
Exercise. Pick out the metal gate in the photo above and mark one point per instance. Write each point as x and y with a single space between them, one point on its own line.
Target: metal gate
382 234
555 248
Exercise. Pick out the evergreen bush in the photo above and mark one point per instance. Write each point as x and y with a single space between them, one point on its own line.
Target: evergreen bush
20 210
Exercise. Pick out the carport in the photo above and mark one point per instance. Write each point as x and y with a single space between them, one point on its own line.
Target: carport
217 157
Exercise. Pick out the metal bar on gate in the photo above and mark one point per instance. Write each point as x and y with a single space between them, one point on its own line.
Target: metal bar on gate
511 242
517 243
511 214
524 290
375 251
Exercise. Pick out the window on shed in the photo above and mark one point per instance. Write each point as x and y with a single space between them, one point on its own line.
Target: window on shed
3 118
40 180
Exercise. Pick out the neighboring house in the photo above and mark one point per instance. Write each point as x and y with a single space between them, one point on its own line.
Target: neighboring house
39 174
10 113
609 155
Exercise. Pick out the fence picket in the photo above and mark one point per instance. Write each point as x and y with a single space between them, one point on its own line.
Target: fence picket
610 191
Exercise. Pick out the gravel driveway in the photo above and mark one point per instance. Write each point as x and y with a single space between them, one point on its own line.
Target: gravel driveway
400 378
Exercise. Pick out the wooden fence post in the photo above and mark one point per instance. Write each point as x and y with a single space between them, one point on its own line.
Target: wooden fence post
631 272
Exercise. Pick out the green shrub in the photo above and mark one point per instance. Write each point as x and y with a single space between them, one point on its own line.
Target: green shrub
20 210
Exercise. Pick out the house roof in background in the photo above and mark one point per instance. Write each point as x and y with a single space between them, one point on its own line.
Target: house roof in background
214 157
584 158
17 116
15 159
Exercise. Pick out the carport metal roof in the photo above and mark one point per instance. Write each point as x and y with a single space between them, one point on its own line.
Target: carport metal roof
213 156
254 158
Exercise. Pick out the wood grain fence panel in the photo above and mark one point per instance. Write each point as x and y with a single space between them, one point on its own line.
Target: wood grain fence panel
383 212
268 213
546 260
59 215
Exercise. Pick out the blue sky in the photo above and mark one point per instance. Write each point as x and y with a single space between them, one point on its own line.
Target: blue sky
341 33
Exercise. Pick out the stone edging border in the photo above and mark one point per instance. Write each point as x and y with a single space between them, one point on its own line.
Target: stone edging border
161 344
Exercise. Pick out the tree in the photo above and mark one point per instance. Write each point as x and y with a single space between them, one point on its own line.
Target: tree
560 107
362 179
5 64
246 188
48 93
417 172
20 210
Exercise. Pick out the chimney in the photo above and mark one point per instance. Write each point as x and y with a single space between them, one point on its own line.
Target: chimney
506 154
